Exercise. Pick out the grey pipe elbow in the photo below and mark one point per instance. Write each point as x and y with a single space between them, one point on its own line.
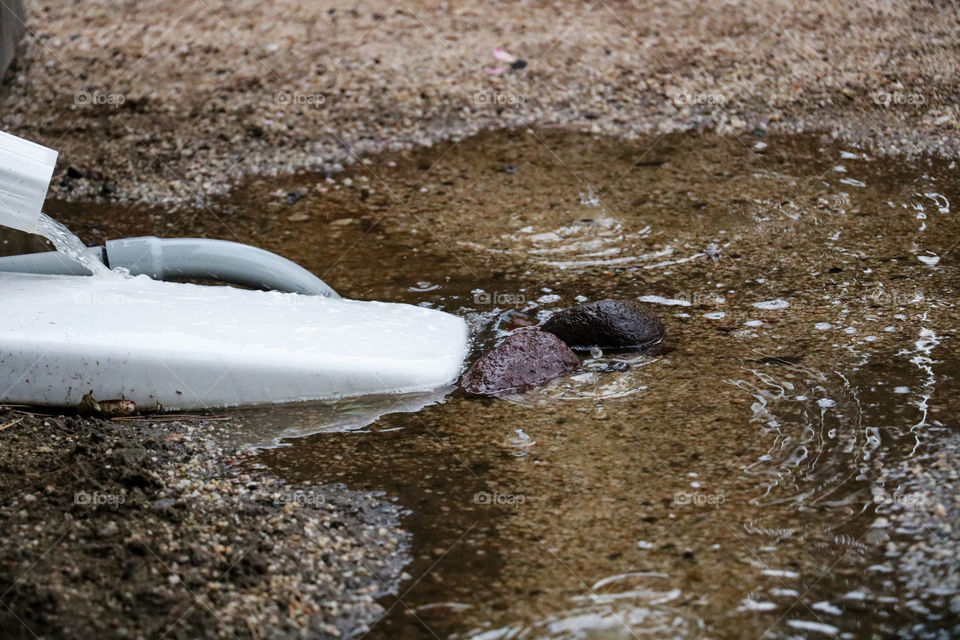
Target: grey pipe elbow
219 260
184 259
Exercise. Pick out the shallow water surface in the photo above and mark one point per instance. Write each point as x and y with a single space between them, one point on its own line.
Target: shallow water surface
746 480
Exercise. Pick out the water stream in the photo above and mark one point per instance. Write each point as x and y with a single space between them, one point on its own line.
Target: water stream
70 245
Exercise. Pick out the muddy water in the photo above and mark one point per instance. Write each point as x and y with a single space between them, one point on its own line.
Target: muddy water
745 481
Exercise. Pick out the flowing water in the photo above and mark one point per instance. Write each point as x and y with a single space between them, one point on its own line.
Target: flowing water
70 245
783 467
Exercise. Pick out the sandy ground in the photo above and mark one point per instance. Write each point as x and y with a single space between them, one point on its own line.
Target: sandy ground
172 101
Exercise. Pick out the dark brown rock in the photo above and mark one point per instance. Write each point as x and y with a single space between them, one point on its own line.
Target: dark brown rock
527 358
608 324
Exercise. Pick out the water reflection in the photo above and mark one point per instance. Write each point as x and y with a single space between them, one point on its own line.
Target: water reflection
278 425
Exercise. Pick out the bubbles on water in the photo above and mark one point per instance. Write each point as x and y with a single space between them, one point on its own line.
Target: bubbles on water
665 301
853 182
520 443
751 604
423 286
602 377
779 303
807 625
589 198
921 358
940 200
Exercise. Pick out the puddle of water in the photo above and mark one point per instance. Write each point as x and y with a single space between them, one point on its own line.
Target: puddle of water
735 483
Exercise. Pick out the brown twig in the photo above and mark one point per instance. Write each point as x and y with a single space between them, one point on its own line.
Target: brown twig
10 424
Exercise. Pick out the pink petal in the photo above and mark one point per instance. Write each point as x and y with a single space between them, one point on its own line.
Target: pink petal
503 56
497 70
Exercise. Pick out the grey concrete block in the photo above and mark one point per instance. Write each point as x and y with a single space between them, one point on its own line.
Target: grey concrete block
11 31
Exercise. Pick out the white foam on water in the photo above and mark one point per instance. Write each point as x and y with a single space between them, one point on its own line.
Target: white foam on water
589 198
827 607
715 315
922 359
423 287
940 200
807 625
780 573
779 303
755 605
667 301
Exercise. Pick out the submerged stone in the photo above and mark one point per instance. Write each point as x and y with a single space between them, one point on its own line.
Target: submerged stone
607 324
527 358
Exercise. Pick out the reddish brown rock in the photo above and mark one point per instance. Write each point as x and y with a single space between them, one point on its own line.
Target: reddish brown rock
527 358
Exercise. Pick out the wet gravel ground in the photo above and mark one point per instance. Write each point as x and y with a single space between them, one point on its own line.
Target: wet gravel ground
169 102
142 529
